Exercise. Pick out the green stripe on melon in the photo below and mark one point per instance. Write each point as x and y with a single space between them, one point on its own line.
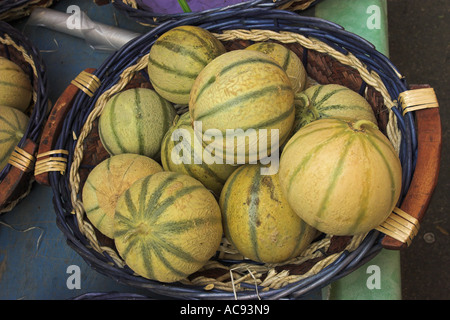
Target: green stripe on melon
341 177
15 86
13 124
330 101
168 225
191 160
242 89
287 59
258 220
177 57
135 121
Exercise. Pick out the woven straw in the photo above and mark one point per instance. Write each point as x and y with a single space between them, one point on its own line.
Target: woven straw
143 15
331 55
13 10
16 47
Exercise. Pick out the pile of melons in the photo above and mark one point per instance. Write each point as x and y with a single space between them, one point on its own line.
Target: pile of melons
167 201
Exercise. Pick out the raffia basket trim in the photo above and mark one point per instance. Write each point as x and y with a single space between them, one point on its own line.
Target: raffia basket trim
233 277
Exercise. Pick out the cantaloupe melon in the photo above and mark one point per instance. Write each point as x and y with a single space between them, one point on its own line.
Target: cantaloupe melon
106 183
15 86
287 59
341 177
191 158
330 101
258 220
167 226
135 121
177 57
13 124
243 90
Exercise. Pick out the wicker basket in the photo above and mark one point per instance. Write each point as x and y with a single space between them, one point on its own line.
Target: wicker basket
17 177
13 10
331 55
142 14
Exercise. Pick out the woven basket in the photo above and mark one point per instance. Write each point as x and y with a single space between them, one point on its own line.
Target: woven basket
142 14
16 9
331 55
17 177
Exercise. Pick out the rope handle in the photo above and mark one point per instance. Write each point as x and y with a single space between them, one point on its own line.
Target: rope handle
400 233
48 159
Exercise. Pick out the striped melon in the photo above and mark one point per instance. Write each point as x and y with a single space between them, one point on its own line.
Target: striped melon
341 177
13 124
191 158
167 226
177 57
106 183
330 100
257 218
135 121
15 86
242 90
287 59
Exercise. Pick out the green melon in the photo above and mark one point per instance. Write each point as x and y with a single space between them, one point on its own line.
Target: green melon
177 57
257 218
135 121
286 58
106 183
13 124
167 226
243 90
341 177
191 158
15 86
330 101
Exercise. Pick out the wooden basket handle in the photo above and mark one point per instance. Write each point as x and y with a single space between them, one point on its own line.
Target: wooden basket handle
53 128
429 138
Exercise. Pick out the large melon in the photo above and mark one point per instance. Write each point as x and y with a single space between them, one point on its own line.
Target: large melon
15 86
341 177
286 58
330 101
243 90
181 151
177 57
135 121
168 225
13 124
106 183
257 218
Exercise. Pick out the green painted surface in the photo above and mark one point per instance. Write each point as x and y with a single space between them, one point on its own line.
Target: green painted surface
367 18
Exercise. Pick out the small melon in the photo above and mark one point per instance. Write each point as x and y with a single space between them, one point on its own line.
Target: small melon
167 226
257 218
177 57
135 121
330 101
342 177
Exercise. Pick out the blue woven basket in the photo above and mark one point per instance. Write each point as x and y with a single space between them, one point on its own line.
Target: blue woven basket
15 46
325 49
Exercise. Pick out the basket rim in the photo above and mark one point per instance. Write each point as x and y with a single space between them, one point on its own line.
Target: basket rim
272 20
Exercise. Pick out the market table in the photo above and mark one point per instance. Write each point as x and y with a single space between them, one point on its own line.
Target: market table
36 263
